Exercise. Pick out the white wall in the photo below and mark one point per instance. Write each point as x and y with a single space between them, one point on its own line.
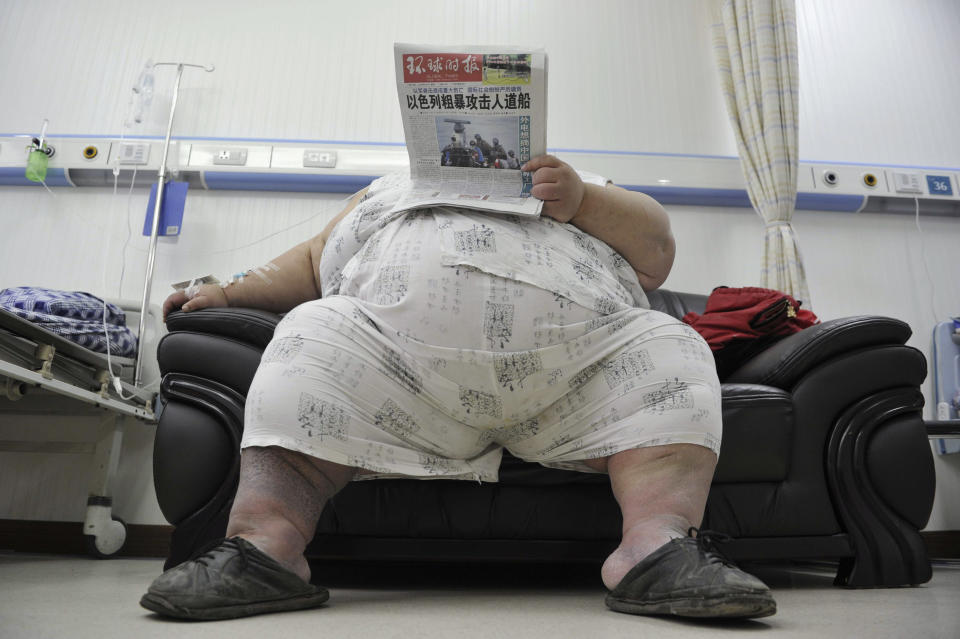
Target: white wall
878 85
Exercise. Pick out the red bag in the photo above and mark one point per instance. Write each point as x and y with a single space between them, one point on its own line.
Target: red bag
738 323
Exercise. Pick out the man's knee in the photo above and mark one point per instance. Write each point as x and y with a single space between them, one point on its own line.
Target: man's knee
679 455
322 475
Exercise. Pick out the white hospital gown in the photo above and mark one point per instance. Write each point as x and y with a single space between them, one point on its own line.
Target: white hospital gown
446 334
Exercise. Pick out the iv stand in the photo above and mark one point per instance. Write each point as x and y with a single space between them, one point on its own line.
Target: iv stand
161 179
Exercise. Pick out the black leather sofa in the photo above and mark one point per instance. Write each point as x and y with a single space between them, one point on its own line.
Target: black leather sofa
824 456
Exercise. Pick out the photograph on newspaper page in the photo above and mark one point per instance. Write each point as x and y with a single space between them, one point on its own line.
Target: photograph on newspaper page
472 116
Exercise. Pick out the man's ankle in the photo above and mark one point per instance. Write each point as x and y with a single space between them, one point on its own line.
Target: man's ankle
291 559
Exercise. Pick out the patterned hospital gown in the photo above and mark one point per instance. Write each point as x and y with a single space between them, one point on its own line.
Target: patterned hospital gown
446 334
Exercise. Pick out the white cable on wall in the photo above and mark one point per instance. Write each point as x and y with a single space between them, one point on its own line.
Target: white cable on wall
139 103
244 246
926 267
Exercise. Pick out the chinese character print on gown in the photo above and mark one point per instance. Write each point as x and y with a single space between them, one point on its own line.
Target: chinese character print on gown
445 335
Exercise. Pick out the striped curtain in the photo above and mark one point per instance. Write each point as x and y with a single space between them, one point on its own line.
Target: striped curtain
755 42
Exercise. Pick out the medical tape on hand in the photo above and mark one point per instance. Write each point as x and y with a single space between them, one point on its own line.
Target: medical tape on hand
259 272
236 278
192 289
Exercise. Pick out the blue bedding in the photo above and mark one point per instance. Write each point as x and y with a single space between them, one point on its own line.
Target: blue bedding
76 316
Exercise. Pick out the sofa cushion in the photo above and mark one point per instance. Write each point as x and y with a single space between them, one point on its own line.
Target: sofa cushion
757 419
221 359
757 430
757 434
516 472
445 509
676 304
250 325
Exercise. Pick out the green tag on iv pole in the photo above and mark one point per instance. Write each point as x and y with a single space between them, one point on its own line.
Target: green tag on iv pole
37 163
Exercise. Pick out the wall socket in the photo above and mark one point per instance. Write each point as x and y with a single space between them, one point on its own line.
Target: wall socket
907 183
322 159
134 153
235 157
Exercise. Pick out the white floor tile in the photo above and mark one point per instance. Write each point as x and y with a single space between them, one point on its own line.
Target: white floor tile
45 596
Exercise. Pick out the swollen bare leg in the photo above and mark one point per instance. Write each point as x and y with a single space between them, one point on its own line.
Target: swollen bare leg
662 492
279 500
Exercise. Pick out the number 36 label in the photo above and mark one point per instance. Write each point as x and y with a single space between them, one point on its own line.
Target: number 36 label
939 185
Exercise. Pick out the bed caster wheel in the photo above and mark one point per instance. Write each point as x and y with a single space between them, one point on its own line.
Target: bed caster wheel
107 541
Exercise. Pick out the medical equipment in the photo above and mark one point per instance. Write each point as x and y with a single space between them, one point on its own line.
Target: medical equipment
161 181
260 271
143 92
171 215
191 288
39 157
945 373
33 356
282 166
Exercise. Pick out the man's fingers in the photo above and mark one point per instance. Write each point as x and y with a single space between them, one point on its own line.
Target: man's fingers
198 302
547 174
173 302
176 299
548 191
541 161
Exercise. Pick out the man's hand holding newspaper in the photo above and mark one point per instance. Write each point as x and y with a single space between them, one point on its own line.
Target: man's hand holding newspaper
472 117
558 185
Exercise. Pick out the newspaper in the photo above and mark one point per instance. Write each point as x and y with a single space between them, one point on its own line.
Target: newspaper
472 116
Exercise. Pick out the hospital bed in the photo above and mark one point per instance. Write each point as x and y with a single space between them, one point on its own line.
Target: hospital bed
40 372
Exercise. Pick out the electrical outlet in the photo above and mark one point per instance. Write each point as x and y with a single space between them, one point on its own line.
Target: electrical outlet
134 153
235 157
907 183
323 159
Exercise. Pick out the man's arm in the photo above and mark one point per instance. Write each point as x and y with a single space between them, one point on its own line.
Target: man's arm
295 280
633 224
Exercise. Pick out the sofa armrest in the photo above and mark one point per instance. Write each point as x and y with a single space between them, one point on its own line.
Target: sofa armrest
249 325
789 359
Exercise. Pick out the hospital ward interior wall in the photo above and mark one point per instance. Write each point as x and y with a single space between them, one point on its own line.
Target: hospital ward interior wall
297 70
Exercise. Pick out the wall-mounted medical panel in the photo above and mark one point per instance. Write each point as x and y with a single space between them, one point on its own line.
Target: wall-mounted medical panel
286 182
678 171
238 156
340 167
88 156
847 179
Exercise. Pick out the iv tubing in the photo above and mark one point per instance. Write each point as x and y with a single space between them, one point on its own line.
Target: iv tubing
43 133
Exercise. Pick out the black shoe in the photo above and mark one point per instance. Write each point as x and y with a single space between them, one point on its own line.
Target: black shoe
234 579
687 577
